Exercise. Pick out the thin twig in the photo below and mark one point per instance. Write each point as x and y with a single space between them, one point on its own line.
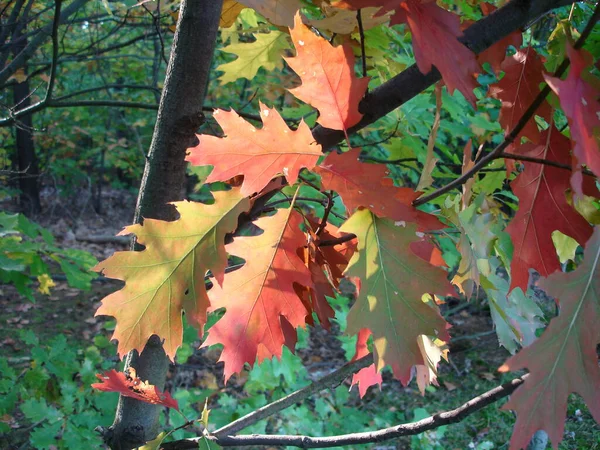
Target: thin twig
361 32
328 381
546 162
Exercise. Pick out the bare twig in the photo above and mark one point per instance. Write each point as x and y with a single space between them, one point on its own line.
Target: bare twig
361 32
329 381
407 429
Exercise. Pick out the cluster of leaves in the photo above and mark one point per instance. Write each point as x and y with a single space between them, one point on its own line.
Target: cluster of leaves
287 197
26 249
52 394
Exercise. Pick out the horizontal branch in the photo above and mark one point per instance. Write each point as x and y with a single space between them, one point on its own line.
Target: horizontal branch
368 437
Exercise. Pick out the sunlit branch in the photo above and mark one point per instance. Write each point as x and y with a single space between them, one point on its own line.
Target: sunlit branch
368 437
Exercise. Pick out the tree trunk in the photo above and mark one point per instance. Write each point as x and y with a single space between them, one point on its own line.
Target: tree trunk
179 116
29 198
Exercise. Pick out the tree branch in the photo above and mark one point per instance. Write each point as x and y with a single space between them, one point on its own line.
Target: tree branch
546 162
408 429
36 42
328 381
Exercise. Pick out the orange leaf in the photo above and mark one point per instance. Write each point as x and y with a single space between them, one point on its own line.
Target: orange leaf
366 185
580 104
168 276
258 155
328 79
129 385
367 377
564 359
261 294
543 208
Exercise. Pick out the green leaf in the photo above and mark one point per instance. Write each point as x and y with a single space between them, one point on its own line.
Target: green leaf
393 281
265 51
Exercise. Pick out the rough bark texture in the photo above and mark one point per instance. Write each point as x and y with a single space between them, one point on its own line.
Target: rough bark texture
179 116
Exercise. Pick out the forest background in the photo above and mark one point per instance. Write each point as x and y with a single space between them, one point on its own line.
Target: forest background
81 83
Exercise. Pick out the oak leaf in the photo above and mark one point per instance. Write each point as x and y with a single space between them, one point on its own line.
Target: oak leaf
496 53
342 21
260 295
328 79
130 385
564 358
167 277
515 314
278 12
258 155
543 208
367 376
264 52
580 104
366 185
393 281
435 34
433 350
231 10
517 90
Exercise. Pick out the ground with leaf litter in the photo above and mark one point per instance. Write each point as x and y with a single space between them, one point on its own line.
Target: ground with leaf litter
474 359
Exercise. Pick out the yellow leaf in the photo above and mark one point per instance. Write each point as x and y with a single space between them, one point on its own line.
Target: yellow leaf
154 444
265 52
45 283
19 75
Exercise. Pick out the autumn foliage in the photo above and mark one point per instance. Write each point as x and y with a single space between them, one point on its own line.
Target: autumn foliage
295 257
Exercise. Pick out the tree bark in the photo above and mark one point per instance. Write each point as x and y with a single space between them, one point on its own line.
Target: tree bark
179 116
27 164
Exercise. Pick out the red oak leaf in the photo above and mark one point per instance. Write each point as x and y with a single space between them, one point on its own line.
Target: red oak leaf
326 264
496 54
258 155
367 377
564 358
258 295
129 385
435 34
543 208
328 79
517 89
580 103
366 185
